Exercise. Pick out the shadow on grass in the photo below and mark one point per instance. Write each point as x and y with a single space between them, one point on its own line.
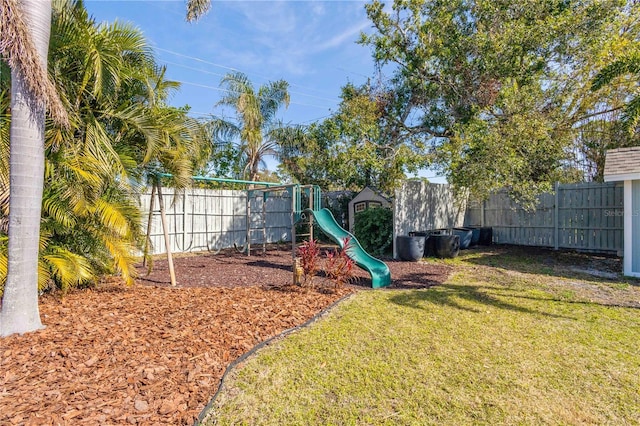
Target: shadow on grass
449 294
417 280
589 267
611 304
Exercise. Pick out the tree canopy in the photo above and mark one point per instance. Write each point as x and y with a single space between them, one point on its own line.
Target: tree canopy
246 141
626 65
355 147
120 130
498 89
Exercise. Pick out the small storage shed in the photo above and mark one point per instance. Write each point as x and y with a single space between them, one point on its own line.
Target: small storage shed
623 164
368 197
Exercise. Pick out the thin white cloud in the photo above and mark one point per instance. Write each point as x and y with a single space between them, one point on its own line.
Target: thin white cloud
280 39
349 35
301 30
318 8
273 17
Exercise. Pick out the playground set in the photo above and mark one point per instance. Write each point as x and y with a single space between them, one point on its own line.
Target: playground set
311 213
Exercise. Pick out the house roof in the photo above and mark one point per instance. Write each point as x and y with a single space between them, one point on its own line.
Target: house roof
622 164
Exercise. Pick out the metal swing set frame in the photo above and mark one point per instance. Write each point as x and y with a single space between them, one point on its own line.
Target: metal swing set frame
253 189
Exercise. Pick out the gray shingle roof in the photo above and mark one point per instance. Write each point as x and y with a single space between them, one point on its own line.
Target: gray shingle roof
622 161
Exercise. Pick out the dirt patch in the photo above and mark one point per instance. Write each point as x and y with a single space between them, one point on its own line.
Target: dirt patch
568 275
154 354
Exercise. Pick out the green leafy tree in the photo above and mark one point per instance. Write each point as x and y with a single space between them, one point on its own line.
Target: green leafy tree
596 136
627 65
470 75
256 122
528 142
355 147
305 155
119 130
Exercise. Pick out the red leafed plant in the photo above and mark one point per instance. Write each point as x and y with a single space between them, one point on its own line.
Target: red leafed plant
309 255
339 266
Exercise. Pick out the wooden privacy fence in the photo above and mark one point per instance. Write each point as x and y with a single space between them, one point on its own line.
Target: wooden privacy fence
206 219
585 216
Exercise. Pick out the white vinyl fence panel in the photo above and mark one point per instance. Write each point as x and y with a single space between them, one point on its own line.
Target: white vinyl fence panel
205 219
422 206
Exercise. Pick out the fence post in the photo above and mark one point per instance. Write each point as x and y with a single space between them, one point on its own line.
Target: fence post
264 222
293 192
184 221
555 218
248 211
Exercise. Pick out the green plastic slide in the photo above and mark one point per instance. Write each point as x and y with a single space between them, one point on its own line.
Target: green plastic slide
379 271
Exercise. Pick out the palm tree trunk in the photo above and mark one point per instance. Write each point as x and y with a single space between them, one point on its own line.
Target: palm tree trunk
253 176
20 313
254 164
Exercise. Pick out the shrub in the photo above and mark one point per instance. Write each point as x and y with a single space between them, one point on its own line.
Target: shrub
309 255
373 228
339 266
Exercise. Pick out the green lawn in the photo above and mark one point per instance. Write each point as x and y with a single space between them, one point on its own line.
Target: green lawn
507 340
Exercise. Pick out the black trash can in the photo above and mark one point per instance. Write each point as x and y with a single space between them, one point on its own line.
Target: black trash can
486 236
446 246
482 235
410 248
466 235
430 243
475 235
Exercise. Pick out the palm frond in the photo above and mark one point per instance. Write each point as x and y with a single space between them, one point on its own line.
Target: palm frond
4 261
629 64
16 45
222 131
631 116
4 160
272 97
123 254
158 88
100 149
236 85
44 275
68 268
112 218
197 8
58 210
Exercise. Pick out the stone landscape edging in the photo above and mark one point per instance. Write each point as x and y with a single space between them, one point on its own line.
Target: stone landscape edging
206 410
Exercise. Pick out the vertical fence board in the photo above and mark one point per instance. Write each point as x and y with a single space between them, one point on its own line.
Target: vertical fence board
421 206
205 219
584 216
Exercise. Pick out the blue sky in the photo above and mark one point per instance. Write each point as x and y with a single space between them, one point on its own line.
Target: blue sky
310 44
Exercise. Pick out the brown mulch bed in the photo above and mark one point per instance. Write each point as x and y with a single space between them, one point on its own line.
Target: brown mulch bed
153 354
